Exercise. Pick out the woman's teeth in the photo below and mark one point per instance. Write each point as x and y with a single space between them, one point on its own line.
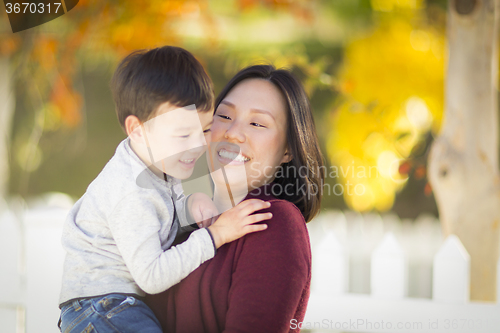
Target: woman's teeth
232 156
188 161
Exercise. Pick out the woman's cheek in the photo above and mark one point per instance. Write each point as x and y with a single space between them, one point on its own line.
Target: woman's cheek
254 175
216 130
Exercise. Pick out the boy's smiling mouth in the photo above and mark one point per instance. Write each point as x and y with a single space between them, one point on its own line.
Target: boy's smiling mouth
188 162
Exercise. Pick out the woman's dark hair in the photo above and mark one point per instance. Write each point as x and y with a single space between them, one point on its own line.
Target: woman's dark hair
147 78
306 171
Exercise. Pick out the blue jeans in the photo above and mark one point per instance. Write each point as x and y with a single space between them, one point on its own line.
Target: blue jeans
110 313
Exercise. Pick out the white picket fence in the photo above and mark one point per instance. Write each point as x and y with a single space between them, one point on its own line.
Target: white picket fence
371 273
31 258
379 274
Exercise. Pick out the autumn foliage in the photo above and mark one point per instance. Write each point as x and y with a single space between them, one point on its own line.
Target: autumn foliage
52 53
392 82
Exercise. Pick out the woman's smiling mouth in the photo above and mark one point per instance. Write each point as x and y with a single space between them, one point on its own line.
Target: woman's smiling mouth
229 156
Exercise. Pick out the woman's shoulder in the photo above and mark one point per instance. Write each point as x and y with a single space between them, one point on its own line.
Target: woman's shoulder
281 209
287 225
286 239
286 211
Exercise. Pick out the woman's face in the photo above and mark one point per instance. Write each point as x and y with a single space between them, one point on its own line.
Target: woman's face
249 134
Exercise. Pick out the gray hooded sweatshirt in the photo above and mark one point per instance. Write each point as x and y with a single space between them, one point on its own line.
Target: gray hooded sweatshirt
118 236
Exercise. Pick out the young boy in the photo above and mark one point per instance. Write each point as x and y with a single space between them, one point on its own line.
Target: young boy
118 236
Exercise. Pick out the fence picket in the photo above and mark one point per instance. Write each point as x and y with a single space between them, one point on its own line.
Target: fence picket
424 244
45 257
359 254
330 266
10 245
451 276
389 269
11 286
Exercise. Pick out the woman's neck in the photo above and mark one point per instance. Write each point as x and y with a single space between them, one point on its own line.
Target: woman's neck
224 201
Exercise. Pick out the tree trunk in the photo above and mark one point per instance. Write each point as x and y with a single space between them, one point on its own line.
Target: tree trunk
463 164
6 112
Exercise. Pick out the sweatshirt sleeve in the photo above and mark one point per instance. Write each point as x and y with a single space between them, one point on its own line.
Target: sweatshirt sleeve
135 226
271 274
180 202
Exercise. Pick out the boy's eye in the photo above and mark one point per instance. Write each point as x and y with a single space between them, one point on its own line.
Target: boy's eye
184 136
257 125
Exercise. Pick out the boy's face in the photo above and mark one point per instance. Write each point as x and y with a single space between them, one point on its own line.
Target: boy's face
176 137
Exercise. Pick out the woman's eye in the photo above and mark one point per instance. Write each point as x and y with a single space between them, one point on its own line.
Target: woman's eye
206 131
223 117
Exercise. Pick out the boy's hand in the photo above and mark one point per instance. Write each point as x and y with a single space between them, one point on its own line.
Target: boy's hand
202 209
238 221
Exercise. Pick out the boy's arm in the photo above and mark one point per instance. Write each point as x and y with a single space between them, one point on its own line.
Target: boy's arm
135 226
186 223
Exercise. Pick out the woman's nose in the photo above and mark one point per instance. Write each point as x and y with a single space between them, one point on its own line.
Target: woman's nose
235 133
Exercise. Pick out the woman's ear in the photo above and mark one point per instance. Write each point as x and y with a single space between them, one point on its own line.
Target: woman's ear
133 128
287 157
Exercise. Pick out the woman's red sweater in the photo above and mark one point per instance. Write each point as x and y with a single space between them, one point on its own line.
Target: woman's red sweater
258 283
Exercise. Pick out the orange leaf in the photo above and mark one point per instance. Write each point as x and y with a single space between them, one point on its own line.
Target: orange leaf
67 101
428 189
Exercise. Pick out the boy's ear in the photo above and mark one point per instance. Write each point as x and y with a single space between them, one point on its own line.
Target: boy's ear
287 157
133 128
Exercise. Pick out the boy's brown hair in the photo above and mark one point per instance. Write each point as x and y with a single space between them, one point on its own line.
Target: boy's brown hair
147 78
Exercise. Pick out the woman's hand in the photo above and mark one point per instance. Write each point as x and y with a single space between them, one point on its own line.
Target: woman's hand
238 221
201 209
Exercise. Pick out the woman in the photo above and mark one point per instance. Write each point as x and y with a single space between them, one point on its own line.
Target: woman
264 137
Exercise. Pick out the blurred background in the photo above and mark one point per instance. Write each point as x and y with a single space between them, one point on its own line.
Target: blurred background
373 70
375 74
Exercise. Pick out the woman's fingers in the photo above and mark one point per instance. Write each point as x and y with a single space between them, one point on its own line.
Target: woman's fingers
249 202
253 205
